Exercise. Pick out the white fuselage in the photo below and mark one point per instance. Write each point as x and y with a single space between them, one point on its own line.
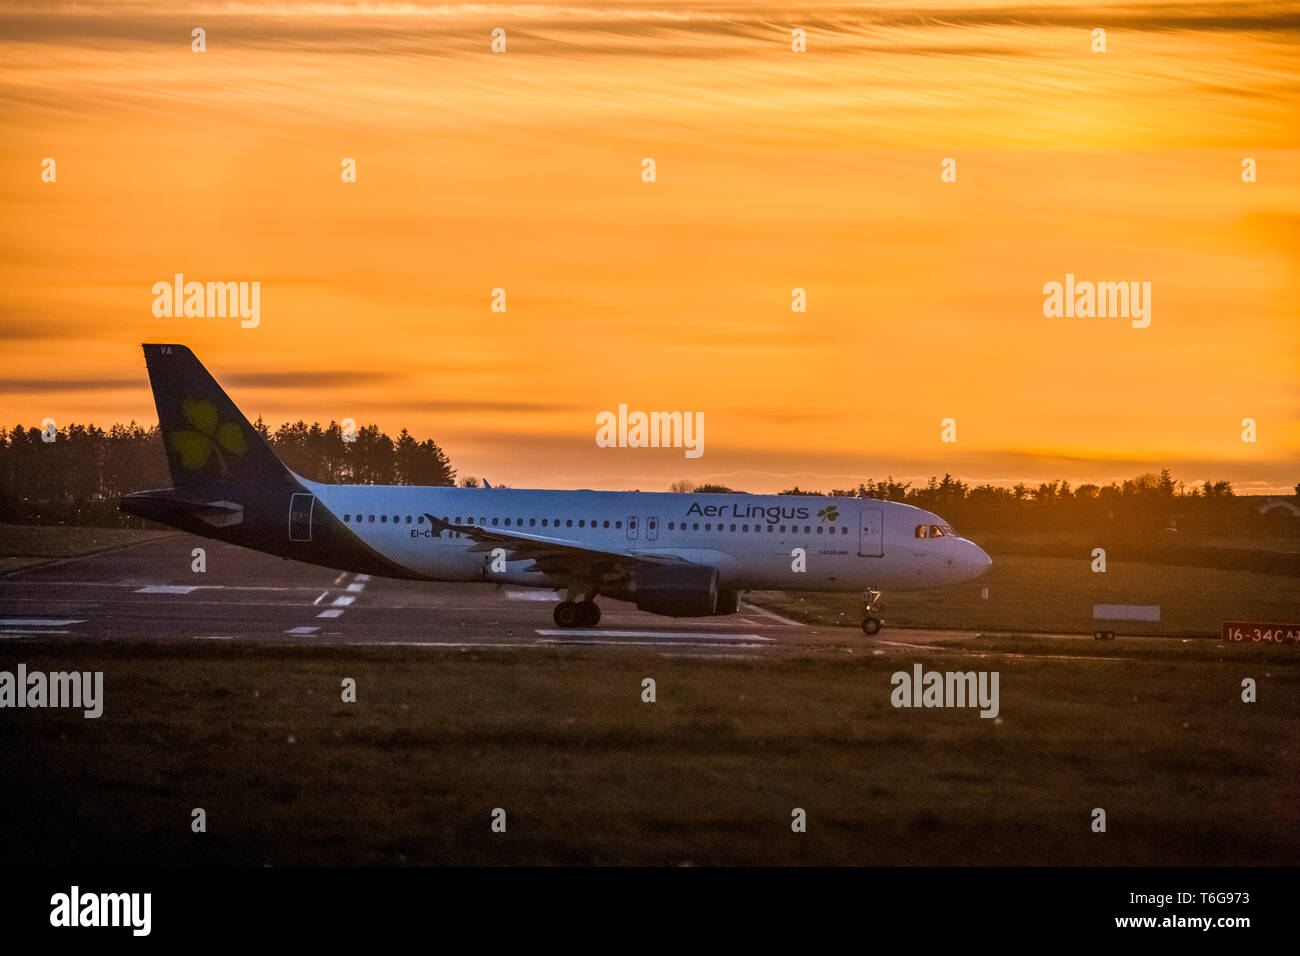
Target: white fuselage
755 541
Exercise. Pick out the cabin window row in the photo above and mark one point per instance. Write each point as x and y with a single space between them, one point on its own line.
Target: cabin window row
594 523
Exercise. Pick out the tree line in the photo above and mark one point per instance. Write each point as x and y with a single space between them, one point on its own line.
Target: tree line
78 477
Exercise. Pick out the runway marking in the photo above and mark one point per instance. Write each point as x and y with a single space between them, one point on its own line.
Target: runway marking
362 577
714 644
692 635
36 622
339 579
343 600
302 631
539 595
356 587
323 596
213 637
431 644
775 617
165 589
333 612
7 631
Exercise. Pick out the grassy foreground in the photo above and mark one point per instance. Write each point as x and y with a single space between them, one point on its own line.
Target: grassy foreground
1153 732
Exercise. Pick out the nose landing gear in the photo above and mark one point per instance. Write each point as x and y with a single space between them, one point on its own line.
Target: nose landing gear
871 606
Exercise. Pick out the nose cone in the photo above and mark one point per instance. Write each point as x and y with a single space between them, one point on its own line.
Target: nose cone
976 562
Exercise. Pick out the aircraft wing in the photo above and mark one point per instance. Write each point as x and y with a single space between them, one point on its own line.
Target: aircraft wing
554 555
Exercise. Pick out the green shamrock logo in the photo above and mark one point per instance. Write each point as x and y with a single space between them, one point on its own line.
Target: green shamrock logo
829 513
208 437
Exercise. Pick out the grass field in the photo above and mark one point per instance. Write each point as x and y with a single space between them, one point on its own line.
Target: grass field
1155 733
1056 595
23 546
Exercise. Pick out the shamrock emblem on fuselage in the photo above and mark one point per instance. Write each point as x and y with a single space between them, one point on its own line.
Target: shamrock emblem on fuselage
207 437
829 513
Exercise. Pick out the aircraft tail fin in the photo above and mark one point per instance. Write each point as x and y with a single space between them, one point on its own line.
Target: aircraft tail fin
211 447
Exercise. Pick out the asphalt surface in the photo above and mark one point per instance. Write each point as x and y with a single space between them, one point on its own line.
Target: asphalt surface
149 592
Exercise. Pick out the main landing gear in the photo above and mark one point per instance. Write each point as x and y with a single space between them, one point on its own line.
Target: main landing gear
577 614
871 606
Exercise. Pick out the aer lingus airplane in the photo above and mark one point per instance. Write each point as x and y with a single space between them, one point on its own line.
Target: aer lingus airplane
682 555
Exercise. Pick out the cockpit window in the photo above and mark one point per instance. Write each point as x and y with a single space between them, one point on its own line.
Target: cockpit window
922 531
936 531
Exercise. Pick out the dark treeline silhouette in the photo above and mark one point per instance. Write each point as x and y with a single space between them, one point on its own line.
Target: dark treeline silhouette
78 477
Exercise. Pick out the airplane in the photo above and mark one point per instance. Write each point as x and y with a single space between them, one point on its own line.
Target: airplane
671 554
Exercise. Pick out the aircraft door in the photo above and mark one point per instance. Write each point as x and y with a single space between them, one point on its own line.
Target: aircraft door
631 528
651 528
300 509
871 533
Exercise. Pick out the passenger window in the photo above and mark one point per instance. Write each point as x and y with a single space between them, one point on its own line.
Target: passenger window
670 526
733 527
408 519
347 518
606 524
695 526
819 529
383 519
569 523
507 522
494 522
769 529
618 524
532 522
708 526
745 528
582 523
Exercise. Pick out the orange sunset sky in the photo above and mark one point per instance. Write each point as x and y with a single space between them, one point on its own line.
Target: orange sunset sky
776 170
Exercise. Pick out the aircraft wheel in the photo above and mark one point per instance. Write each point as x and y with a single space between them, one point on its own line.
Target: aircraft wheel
590 613
568 614
871 626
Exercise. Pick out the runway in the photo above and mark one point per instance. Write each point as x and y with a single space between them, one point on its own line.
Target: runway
148 592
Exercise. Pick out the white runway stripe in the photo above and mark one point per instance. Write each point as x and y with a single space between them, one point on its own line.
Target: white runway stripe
538 595
343 600
776 617
8 631
302 631
37 622
332 612
165 589
684 635
713 644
